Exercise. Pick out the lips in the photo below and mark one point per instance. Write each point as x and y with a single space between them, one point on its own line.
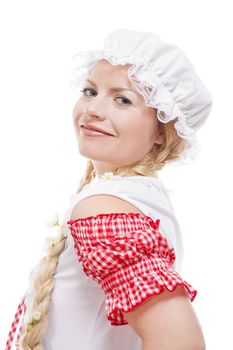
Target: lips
94 128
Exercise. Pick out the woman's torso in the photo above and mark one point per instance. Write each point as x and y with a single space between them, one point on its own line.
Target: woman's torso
77 316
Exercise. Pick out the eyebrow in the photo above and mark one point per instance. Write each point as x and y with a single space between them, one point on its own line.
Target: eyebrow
114 89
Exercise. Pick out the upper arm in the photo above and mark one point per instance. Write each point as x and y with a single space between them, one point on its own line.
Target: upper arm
102 204
167 321
161 319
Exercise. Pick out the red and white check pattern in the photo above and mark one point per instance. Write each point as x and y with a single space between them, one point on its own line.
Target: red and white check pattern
129 258
19 314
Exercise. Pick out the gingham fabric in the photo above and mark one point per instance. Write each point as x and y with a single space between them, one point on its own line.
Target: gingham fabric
22 307
129 258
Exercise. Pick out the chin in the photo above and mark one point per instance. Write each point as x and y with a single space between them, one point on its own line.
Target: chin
92 154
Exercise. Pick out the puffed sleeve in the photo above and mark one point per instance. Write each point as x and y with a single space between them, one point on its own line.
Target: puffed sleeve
128 257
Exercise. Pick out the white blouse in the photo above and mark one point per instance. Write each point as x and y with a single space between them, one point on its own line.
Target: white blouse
77 316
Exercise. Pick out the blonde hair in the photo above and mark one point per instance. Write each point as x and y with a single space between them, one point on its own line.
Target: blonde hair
169 151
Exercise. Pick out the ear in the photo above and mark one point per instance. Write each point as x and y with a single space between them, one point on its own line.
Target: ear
159 138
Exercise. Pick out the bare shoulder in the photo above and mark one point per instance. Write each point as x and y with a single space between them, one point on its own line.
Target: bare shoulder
102 204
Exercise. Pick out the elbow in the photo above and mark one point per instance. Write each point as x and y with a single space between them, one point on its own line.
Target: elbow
202 345
191 344
197 343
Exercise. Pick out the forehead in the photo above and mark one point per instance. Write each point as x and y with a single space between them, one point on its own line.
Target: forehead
105 64
104 71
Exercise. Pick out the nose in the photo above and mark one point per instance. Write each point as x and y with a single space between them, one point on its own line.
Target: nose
95 108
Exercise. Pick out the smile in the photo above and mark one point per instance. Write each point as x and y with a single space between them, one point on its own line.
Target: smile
89 132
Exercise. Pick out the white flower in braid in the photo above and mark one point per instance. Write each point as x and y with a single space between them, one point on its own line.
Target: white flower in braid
50 241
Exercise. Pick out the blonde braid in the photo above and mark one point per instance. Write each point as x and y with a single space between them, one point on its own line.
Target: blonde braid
42 287
88 176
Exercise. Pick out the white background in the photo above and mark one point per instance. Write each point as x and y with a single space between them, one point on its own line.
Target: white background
40 164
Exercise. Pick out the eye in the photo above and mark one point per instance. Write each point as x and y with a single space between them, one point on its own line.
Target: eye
85 90
125 100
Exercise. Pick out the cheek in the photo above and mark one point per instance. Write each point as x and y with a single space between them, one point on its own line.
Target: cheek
133 132
138 124
76 111
142 129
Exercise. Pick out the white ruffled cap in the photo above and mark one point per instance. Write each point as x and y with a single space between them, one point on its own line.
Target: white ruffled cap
161 73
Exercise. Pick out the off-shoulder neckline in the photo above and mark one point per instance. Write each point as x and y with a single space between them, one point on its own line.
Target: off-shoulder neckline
115 215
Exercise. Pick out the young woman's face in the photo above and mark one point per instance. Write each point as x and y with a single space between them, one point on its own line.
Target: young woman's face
121 113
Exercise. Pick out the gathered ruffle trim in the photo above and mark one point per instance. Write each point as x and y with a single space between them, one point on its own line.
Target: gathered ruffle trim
105 218
116 316
155 92
130 286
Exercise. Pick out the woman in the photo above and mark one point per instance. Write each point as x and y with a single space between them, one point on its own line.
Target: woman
117 259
